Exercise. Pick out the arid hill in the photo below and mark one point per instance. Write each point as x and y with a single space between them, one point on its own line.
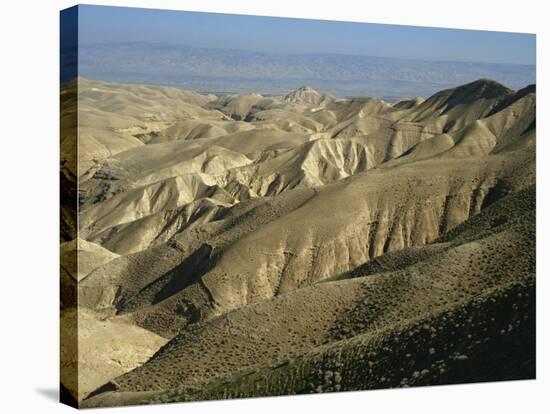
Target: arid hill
266 245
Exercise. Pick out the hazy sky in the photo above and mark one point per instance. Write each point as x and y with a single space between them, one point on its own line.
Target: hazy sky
98 24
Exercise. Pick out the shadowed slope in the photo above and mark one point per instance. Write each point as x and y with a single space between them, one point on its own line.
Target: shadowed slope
304 236
432 301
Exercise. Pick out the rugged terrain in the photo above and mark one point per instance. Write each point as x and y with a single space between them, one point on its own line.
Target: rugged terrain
248 245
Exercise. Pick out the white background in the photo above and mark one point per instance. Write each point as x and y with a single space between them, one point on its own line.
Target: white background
29 154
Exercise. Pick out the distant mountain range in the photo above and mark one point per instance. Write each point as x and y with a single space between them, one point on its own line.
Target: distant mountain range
236 71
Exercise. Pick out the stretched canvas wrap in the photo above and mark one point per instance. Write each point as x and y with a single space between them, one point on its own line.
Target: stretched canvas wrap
256 206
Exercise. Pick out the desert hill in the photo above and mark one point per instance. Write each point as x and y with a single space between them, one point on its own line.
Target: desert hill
307 95
419 291
229 226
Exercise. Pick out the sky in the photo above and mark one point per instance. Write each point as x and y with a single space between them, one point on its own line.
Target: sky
102 24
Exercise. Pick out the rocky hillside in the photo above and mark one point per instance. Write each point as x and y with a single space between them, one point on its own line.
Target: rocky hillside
283 244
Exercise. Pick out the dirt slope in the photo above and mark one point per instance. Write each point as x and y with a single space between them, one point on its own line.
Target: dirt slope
302 235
